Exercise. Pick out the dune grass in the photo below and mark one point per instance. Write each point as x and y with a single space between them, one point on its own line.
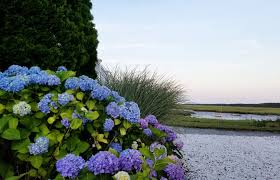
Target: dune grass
232 109
187 121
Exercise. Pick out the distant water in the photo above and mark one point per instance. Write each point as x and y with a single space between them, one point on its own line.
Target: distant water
233 116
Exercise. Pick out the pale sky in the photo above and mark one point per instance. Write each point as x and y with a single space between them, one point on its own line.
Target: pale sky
221 51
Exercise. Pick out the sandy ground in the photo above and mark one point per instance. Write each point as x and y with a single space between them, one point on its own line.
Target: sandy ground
223 155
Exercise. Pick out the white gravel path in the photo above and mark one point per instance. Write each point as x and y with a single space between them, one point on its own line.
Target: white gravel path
231 155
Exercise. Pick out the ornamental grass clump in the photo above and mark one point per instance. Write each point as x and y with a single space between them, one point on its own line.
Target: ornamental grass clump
54 125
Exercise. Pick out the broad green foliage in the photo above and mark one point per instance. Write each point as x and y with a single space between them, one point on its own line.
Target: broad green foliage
48 33
54 125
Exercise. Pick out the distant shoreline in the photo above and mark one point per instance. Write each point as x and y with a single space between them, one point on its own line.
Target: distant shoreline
269 105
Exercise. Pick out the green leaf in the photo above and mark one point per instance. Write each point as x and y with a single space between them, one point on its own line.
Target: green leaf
21 146
113 151
11 134
2 108
123 131
39 115
3 121
158 133
146 152
51 120
36 161
2 92
76 123
92 115
63 75
15 177
44 129
162 163
127 124
90 104
82 147
42 172
117 122
80 96
159 152
34 106
100 138
13 123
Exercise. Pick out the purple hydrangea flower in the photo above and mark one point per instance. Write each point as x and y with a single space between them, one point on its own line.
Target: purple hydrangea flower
163 178
108 125
143 123
113 109
65 98
117 97
178 143
61 68
151 119
72 83
103 162
174 172
150 163
157 145
130 159
87 84
44 103
148 132
130 111
65 122
171 135
100 93
53 80
70 165
40 146
116 146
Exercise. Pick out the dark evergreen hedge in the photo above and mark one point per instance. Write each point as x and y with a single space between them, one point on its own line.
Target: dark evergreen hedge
48 33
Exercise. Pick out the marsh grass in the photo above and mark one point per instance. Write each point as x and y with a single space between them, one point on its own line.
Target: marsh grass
154 93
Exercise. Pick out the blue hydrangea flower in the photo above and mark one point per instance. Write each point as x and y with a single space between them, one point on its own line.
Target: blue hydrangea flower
171 135
103 162
40 78
40 146
143 123
116 146
174 172
130 111
87 84
151 119
45 102
61 68
100 93
65 98
108 125
148 132
17 83
65 122
22 108
157 145
72 83
150 163
70 165
16 70
4 83
53 80
34 70
130 159
117 97
113 109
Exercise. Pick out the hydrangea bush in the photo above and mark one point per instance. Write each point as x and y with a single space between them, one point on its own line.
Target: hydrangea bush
54 125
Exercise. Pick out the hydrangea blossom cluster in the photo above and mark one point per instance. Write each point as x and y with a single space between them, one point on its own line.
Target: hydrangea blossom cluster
151 120
143 123
65 98
175 172
148 132
65 122
40 146
103 162
130 111
108 125
61 68
122 175
16 78
171 135
116 146
157 145
72 83
45 103
117 97
130 159
70 165
100 93
113 109
22 108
